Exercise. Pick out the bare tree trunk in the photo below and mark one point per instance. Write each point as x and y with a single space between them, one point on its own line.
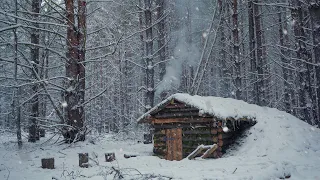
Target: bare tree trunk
236 51
284 56
16 106
315 18
149 56
260 81
223 71
33 129
188 68
82 28
252 44
302 53
75 70
162 41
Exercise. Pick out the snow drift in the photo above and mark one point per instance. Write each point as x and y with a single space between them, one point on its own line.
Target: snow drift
279 145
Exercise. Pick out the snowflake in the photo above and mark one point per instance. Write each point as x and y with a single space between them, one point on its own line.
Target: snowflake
204 35
64 104
285 32
150 67
225 129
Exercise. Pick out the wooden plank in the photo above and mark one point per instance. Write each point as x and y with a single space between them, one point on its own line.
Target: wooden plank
169 148
195 152
209 151
174 144
179 144
173 141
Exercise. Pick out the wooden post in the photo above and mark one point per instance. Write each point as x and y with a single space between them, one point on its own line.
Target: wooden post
84 160
47 163
110 157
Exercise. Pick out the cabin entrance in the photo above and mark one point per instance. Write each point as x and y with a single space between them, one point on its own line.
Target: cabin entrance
174 144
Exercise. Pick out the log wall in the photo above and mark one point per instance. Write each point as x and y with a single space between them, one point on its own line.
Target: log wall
196 129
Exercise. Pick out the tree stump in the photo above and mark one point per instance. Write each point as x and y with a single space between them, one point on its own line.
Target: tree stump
84 160
147 138
110 157
47 163
42 132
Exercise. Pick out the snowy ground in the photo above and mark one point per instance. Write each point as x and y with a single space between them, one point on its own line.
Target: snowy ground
278 145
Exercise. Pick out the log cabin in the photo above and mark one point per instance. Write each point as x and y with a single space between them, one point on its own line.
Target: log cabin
182 122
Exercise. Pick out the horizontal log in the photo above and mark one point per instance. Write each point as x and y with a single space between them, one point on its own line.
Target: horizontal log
160 132
157 136
160 151
185 109
160 140
196 132
176 114
197 139
160 145
160 127
173 106
216 130
181 120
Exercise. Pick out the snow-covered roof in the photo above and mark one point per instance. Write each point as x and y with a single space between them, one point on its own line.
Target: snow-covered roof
216 106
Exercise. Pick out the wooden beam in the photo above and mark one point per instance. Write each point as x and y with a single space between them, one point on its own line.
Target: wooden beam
181 120
161 127
185 109
176 115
